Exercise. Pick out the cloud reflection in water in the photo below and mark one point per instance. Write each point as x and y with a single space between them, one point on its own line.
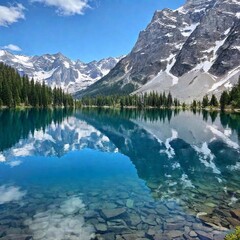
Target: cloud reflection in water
9 194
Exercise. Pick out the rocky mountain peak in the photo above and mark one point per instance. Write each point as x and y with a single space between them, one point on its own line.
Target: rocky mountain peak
195 3
191 51
59 55
58 70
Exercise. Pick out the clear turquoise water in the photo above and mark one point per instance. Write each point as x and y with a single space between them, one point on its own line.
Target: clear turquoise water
104 174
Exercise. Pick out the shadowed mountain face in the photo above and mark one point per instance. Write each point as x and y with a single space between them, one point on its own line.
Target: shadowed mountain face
186 157
189 51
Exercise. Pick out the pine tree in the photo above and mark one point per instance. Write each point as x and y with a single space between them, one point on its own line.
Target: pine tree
205 101
152 99
164 103
214 101
194 104
16 90
7 95
44 95
176 102
184 105
224 100
169 100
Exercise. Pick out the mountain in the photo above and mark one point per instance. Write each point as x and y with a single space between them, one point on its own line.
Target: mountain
191 51
58 70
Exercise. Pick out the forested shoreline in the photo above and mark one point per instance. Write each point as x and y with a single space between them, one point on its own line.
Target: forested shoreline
17 91
152 99
229 100
20 91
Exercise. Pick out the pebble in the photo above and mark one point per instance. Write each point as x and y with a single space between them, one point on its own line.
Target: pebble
174 234
129 217
192 234
101 227
130 203
234 222
134 219
235 213
204 236
112 213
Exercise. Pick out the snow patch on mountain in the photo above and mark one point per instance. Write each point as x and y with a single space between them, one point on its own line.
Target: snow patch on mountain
59 71
191 51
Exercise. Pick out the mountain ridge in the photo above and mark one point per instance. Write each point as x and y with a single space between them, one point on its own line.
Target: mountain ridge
188 51
58 70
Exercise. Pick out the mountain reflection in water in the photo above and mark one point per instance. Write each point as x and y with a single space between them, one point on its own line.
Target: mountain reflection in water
188 159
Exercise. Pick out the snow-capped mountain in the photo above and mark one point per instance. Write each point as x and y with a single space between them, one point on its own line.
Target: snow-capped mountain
58 70
190 51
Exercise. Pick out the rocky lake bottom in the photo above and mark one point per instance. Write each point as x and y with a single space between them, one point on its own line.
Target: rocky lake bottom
118 175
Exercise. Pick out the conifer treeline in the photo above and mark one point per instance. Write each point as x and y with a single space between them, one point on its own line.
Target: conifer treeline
16 90
231 98
152 99
228 99
213 102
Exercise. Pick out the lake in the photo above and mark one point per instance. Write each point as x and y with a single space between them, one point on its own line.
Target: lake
118 174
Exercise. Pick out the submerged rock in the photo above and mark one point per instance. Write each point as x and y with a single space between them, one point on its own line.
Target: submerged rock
112 213
134 219
101 227
234 222
131 236
65 221
192 234
204 236
149 220
175 234
211 205
130 203
235 213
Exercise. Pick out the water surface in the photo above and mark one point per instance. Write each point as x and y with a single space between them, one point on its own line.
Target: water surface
111 174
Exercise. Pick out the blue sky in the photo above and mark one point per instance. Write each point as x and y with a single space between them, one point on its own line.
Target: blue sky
80 29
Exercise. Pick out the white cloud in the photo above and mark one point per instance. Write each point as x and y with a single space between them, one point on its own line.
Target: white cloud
12 14
12 47
9 194
66 7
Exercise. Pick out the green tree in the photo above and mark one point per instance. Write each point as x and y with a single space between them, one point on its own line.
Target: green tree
214 101
205 101
16 90
184 105
224 100
194 104
7 95
169 100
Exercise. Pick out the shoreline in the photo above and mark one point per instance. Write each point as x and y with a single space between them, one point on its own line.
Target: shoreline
22 108
187 108
227 110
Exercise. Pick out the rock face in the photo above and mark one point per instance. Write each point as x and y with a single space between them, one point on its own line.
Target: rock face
189 51
58 70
